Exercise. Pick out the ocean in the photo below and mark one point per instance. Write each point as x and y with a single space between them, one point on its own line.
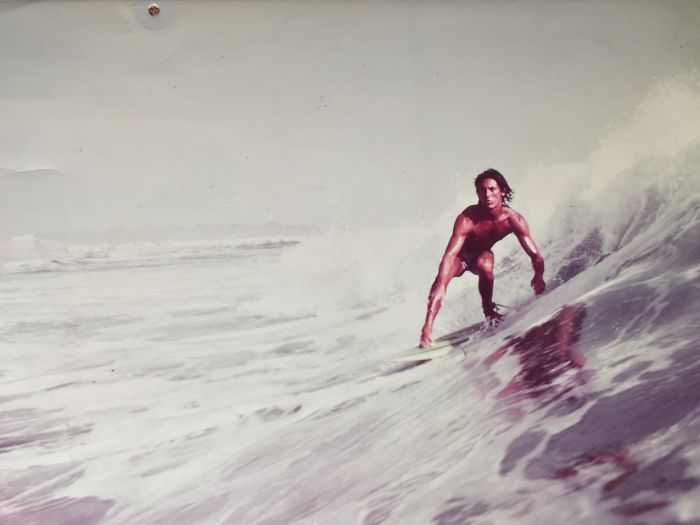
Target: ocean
244 381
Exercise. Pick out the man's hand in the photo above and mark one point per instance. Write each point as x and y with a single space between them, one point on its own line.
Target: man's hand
538 285
425 340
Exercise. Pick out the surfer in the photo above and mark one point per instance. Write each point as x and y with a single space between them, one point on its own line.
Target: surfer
475 232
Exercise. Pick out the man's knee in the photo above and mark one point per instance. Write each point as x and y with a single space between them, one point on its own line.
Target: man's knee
484 265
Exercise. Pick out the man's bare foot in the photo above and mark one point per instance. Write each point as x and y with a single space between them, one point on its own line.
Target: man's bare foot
493 316
425 341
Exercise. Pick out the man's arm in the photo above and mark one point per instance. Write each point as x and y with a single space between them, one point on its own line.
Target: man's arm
522 232
462 227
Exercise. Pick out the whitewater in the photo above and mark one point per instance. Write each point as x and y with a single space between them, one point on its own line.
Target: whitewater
244 381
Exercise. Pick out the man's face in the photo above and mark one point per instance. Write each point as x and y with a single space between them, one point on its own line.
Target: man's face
490 194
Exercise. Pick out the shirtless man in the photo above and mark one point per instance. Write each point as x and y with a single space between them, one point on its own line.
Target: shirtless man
476 230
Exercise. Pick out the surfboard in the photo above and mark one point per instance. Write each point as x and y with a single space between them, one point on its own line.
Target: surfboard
422 354
442 347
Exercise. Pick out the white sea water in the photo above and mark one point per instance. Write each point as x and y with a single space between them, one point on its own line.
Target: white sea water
188 383
243 382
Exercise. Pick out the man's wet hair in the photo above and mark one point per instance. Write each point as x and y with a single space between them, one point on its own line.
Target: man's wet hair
500 180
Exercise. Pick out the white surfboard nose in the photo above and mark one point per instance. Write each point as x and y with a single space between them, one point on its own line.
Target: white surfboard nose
422 354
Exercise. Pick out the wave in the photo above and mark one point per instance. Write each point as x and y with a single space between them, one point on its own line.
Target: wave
635 199
29 253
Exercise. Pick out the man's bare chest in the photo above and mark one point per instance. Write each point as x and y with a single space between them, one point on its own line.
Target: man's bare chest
489 231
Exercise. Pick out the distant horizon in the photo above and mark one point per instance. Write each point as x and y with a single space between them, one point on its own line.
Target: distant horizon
170 232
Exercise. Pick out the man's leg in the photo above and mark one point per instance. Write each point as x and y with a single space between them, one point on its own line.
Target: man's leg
437 292
484 269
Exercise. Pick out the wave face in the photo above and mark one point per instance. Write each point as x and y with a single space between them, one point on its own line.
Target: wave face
244 382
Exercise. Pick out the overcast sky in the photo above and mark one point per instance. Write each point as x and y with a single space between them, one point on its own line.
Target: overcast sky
308 112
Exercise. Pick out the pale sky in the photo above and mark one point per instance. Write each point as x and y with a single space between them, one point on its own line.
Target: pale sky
308 112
